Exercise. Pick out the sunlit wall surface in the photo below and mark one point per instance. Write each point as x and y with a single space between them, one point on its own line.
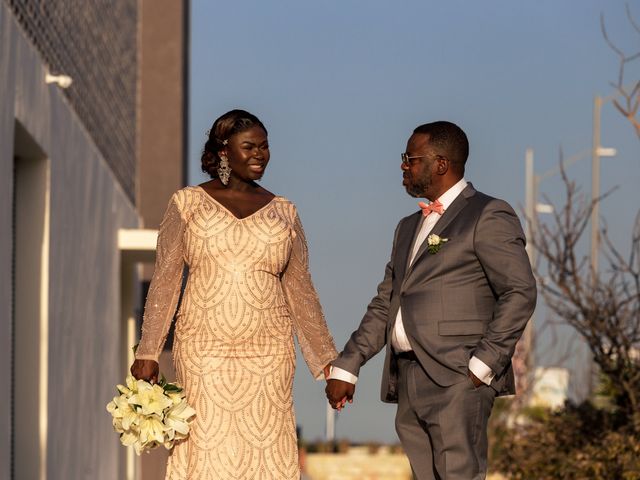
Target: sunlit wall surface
94 42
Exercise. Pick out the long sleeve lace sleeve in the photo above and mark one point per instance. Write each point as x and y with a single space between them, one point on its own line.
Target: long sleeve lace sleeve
309 323
166 282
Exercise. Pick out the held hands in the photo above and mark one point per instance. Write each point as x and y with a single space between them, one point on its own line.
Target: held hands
339 393
145 370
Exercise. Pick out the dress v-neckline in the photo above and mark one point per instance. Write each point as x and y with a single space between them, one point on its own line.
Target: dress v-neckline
221 205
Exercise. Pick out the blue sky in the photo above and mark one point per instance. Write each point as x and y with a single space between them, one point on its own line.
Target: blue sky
341 84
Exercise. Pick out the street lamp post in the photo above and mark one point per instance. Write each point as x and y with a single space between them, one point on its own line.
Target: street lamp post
531 187
595 187
524 350
597 151
523 354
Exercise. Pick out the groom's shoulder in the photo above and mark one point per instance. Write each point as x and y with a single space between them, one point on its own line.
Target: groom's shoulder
480 199
485 204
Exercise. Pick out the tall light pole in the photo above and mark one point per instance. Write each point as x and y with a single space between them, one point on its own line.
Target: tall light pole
530 200
523 358
524 349
597 151
595 187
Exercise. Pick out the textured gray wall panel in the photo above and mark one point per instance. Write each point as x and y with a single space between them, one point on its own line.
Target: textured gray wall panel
6 195
88 206
94 42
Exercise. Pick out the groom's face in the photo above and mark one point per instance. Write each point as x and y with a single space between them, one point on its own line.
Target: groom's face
417 176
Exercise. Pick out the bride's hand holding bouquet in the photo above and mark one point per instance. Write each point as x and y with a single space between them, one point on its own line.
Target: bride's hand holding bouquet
150 414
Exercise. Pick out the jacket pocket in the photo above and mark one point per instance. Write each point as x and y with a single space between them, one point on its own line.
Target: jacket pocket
461 327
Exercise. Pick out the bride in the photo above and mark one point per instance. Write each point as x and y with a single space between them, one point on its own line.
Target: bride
248 291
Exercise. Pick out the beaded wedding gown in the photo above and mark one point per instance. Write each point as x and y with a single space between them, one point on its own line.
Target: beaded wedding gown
248 290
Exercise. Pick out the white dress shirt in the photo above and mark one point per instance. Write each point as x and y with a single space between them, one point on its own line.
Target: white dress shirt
399 340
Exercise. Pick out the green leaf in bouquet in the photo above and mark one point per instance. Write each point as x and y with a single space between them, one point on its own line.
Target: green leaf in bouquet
163 380
172 388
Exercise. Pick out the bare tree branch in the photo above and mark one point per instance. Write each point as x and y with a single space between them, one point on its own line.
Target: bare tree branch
629 107
631 19
612 46
603 307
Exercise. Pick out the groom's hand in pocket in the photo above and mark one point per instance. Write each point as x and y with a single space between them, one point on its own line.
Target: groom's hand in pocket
339 393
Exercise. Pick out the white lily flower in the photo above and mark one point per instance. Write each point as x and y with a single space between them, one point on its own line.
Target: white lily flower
132 383
121 409
177 417
129 437
117 425
151 398
176 397
151 429
123 390
139 447
111 406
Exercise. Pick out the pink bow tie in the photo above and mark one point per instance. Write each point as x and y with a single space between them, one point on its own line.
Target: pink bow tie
432 207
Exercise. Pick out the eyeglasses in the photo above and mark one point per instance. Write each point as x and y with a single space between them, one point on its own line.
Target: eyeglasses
407 160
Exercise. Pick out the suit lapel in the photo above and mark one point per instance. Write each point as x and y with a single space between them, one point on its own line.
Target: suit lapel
447 217
406 237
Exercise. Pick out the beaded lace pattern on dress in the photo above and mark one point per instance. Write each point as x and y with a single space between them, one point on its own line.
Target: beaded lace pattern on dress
248 291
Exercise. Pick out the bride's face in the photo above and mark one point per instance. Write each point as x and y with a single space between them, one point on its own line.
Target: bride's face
248 153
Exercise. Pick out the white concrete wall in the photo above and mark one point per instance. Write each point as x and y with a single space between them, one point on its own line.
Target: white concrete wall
87 207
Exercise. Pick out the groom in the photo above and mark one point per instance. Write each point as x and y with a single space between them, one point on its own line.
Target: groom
455 298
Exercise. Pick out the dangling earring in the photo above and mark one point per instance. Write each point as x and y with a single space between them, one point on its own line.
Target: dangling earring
224 170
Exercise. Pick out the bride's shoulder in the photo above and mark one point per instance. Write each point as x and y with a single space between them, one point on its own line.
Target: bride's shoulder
186 197
284 202
190 190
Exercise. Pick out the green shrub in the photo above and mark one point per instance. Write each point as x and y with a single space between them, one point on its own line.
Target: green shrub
575 443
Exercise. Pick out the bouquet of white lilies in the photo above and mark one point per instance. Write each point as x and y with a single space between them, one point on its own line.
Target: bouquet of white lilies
147 415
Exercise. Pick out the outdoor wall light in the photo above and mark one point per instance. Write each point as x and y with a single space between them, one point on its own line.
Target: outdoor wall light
63 81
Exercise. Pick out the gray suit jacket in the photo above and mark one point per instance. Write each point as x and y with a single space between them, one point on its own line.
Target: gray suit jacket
473 297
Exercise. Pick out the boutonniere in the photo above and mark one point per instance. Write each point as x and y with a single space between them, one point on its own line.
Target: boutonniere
435 242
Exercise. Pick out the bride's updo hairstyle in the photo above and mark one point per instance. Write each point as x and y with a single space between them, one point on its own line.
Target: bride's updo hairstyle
223 128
